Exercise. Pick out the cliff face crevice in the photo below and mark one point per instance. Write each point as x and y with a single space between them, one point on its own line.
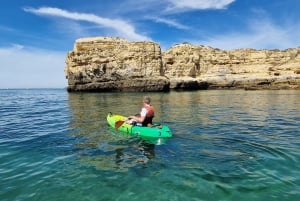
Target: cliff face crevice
114 64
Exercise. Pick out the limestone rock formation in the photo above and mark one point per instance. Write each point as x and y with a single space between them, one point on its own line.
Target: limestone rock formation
114 64
187 65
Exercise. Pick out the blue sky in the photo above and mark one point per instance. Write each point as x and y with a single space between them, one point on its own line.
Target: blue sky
35 35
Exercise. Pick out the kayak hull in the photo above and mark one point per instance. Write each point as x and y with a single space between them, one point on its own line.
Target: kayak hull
156 131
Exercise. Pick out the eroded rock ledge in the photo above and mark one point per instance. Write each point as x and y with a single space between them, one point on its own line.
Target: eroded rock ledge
115 64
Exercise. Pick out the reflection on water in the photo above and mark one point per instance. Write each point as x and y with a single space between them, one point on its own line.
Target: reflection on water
118 155
230 144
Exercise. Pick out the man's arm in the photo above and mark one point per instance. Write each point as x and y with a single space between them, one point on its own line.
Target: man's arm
141 118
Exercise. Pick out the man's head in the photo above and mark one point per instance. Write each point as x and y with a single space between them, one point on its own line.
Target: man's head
147 100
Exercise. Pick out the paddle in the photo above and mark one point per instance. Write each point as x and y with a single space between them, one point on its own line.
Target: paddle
118 124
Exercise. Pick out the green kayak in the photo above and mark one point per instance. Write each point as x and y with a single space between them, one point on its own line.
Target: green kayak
156 131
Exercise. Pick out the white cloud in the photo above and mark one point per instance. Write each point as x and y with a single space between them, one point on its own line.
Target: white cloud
198 4
261 34
6 29
122 27
31 68
172 23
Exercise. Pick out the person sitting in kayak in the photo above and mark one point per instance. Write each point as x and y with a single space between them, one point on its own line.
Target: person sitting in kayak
146 115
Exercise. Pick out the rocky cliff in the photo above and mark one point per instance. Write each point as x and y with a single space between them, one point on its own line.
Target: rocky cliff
114 64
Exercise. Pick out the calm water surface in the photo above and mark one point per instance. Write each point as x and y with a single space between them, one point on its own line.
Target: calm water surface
227 145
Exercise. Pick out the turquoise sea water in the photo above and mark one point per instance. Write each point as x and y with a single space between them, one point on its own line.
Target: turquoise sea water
227 145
